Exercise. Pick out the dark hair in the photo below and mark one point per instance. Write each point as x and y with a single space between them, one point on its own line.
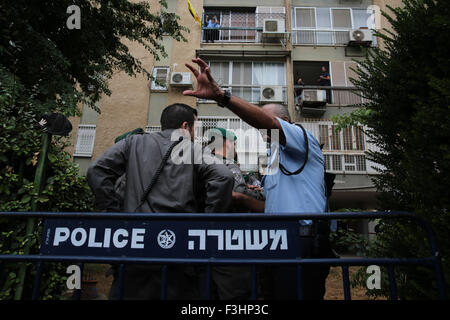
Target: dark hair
175 114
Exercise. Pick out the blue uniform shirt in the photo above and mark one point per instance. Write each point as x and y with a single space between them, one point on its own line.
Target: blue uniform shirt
301 193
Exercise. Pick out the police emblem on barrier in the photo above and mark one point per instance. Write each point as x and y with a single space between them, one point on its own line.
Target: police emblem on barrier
166 239
195 239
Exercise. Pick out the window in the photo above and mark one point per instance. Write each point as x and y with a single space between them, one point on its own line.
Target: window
359 135
249 143
220 71
85 140
305 18
149 129
342 73
337 162
242 74
323 138
341 18
244 78
335 139
167 19
328 26
330 18
343 150
160 78
362 19
239 24
234 17
323 18
347 134
310 71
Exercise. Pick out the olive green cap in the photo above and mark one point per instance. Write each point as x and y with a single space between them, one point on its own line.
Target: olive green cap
227 134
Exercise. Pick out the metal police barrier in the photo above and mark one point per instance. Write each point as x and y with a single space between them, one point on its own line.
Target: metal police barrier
211 239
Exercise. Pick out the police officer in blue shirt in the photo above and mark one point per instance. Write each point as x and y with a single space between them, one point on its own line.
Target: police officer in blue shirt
285 192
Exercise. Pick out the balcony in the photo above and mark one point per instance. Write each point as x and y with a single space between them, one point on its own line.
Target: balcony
344 150
314 100
332 26
320 37
254 94
243 27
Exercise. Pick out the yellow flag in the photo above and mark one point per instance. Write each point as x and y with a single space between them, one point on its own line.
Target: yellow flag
192 11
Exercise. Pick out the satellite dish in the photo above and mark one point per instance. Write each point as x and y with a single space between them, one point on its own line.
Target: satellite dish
358 35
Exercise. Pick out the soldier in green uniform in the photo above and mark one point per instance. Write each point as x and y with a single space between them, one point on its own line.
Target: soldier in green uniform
234 282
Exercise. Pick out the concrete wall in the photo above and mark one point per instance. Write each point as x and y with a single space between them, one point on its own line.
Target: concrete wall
320 53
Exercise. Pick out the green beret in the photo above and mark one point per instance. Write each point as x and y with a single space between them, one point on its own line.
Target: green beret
129 133
229 135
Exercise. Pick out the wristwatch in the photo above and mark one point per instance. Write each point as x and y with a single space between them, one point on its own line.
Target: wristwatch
226 99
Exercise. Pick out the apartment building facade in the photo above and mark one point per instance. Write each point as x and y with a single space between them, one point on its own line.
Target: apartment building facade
259 51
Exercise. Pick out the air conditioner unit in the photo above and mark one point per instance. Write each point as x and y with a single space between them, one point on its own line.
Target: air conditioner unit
180 79
274 26
273 29
360 36
271 94
314 97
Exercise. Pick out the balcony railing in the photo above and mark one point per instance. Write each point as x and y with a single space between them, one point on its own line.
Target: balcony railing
335 95
231 34
345 150
322 37
251 93
239 27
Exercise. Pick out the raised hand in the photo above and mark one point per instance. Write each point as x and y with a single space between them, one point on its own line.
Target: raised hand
207 87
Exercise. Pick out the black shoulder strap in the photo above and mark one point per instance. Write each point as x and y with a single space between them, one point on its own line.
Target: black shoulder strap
157 174
287 172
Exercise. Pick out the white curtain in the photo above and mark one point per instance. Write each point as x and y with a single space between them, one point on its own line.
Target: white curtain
220 72
265 73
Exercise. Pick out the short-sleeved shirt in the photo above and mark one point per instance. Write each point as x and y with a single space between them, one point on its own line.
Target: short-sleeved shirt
324 82
301 193
212 24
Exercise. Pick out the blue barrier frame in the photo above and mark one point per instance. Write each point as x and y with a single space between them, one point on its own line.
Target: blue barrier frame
433 261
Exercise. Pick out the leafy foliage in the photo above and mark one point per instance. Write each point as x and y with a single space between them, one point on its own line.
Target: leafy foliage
47 67
407 86
63 66
64 190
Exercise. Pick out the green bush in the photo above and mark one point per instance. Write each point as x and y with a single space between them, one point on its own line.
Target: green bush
64 189
407 92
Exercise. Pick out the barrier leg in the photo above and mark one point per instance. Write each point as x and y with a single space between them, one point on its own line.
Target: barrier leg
37 281
392 283
346 282
120 284
164 282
